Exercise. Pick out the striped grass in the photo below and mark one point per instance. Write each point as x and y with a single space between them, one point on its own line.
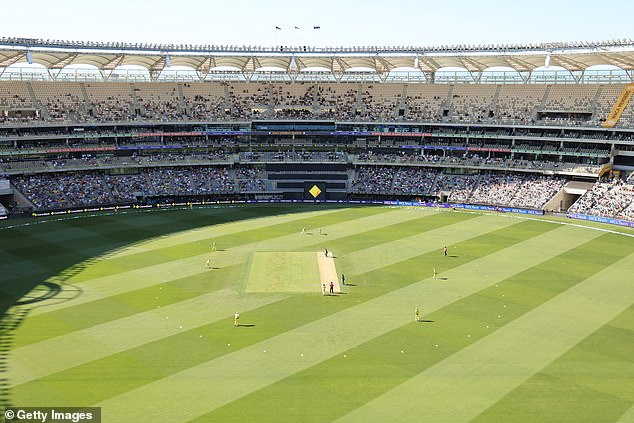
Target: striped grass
524 313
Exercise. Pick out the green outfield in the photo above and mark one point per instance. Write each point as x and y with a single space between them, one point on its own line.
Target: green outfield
527 320
283 272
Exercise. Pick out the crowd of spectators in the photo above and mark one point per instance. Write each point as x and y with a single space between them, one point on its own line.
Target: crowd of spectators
607 199
458 187
66 189
475 160
373 180
42 190
171 181
516 190
414 181
104 102
78 189
503 189
250 179
212 180
125 188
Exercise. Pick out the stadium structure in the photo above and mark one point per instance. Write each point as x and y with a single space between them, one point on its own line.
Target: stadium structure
533 128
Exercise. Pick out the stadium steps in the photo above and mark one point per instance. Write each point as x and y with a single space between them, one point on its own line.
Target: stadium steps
432 190
231 172
182 107
493 107
404 103
352 176
226 102
448 103
270 106
36 103
358 99
135 102
22 200
106 186
542 104
401 104
316 109
90 108
474 187
192 181
149 183
396 171
594 105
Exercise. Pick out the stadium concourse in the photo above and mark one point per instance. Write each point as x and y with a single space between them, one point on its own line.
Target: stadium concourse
527 137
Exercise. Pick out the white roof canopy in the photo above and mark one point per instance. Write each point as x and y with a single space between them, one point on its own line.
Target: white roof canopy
522 58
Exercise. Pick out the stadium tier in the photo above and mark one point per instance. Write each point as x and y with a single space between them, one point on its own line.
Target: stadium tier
69 103
72 139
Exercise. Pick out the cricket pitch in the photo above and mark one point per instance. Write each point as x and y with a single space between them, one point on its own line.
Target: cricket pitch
290 272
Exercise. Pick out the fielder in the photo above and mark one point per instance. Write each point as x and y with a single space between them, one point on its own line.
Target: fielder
236 317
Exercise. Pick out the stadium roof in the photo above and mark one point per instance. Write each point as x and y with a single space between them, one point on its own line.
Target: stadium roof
55 54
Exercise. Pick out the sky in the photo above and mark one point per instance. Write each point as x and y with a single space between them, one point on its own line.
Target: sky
342 23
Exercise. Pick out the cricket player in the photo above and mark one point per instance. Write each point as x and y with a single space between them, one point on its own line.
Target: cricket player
435 273
323 289
208 264
444 250
213 246
236 317
417 315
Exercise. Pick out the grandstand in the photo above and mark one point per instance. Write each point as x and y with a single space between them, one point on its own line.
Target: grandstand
373 124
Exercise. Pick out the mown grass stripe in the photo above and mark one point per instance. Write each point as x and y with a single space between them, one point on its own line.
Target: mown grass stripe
380 367
149 361
481 374
198 241
43 326
137 278
213 232
77 314
628 416
601 390
41 331
118 335
233 376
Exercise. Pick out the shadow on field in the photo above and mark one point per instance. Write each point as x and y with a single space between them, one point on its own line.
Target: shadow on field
426 321
245 325
8 324
48 265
